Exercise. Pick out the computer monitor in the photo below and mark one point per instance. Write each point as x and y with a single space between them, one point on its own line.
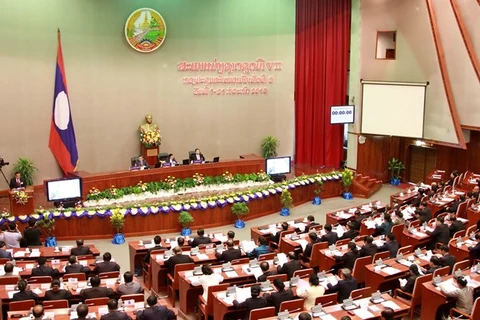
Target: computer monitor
216 159
279 165
185 161
64 189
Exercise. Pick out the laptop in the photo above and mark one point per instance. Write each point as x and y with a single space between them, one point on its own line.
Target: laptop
185 161
216 159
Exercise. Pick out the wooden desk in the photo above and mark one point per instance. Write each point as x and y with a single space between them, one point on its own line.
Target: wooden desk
121 179
415 240
473 215
469 181
337 312
22 209
439 205
188 294
221 307
159 272
460 252
402 197
436 176
257 232
378 280
48 252
348 214
136 251
433 297
27 266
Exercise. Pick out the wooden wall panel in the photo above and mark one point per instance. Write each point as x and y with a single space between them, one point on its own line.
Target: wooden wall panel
374 154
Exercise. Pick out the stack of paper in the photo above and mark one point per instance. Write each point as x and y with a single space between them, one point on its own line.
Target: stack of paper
202 256
390 270
303 243
390 304
247 245
231 274
243 294
363 313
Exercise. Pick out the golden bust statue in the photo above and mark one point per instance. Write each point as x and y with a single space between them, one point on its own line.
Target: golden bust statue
148 125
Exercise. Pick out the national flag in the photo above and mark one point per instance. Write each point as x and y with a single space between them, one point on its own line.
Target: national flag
62 140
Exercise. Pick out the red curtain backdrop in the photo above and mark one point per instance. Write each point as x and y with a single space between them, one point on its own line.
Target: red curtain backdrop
321 67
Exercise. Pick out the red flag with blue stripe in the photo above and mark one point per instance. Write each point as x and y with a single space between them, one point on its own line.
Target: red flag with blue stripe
62 140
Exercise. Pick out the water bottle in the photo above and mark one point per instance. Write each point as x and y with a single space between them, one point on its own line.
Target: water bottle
120 303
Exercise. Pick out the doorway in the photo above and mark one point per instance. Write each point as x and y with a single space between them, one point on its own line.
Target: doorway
423 160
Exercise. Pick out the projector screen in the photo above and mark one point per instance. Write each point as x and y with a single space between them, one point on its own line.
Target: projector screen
393 108
65 189
279 165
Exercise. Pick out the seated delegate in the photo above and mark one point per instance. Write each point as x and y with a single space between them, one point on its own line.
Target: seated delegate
197 157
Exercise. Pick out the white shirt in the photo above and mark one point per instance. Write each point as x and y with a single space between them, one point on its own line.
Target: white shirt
310 294
206 281
12 239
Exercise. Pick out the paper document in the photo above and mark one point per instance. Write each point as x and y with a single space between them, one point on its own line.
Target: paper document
328 317
363 313
390 304
303 243
202 256
403 282
35 254
390 270
247 245
282 258
243 294
231 274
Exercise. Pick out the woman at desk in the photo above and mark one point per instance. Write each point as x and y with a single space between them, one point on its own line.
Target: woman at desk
197 157
171 160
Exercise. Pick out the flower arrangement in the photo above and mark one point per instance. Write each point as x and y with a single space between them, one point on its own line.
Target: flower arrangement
5 214
94 191
228 176
117 219
198 178
20 197
151 138
171 181
142 186
262 176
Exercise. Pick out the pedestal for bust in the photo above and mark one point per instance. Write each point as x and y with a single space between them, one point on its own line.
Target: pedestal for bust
150 154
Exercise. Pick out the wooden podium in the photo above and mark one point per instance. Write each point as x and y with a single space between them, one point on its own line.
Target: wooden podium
150 154
22 209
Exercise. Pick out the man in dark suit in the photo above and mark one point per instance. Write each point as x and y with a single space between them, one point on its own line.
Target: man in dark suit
129 286
197 157
82 312
423 213
351 233
447 259
32 234
439 234
368 248
55 293
142 163
276 237
17 181
291 266
113 313
357 222
350 256
3 251
275 299
330 236
81 250
157 240
311 222
414 274
107 265
390 245
230 254
313 239
475 251
8 268
43 269
96 291
434 265
201 239
453 208
177 258
418 199
345 285
456 225
475 193
74 267
255 302
265 267
24 294
155 311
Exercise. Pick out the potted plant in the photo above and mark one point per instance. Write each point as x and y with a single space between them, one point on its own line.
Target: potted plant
318 190
117 219
240 209
185 219
269 146
26 168
347 180
287 202
47 224
396 167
